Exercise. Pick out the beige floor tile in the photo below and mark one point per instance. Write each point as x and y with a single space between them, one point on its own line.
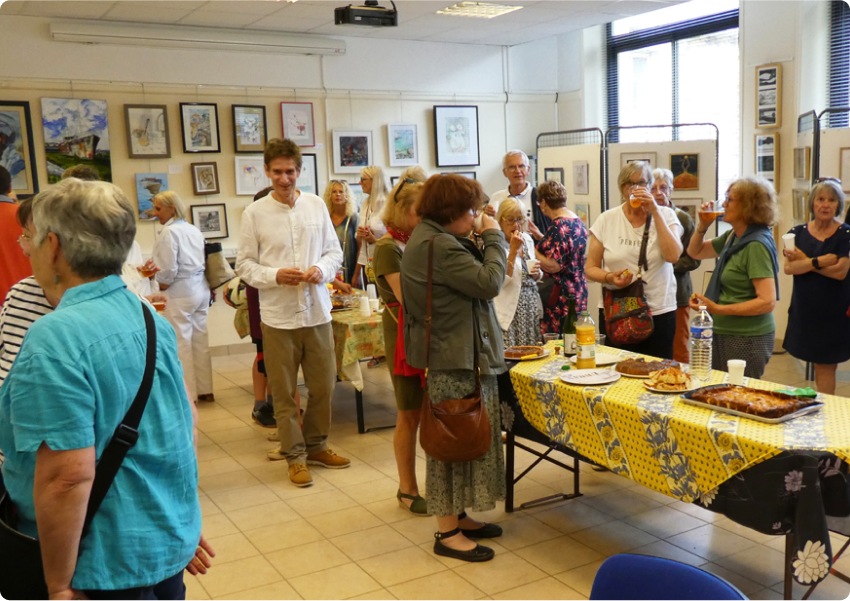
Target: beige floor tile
389 511
371 542
271 471
208 507
503 572
257 458
697 512
418 530
524 531
663 522
287 491
212 451
531 493
830 588
613 537
239 575
227 482
376 452
589 487
306 559
259 516
232 547
581 578
356 474
558 555
622 503
336 583
194 588
572 516
766 594
400 566
278 590
344 521
711 542
204 441
224 423
442 585
372 491
283 536
653 494
662 548
748 533
210 413
745 585
548 588
254 445
241 432
323 502
243 497
761 564
218 525
381 593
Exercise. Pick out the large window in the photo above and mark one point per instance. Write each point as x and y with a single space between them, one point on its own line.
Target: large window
839 63
662 72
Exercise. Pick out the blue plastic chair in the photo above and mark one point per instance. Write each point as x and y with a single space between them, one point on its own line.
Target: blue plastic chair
628 576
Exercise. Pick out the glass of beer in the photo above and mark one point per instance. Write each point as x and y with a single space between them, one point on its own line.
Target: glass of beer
713 209
634 200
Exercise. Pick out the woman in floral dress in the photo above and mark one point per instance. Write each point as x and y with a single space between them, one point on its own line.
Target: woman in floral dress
561 253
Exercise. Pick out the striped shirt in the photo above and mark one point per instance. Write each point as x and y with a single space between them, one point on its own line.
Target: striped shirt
24 304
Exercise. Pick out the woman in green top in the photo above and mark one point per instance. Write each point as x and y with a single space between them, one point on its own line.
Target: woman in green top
400 218
744 287
340 203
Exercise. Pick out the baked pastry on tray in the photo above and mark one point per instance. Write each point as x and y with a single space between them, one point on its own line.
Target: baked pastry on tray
762 403
518 352
671 378
642 367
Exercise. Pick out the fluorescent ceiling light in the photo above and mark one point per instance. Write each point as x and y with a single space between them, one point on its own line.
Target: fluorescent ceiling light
482 10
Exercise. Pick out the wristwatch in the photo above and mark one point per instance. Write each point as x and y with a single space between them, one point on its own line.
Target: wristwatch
815 263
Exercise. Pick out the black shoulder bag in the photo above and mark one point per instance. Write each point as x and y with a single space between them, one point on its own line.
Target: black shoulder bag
22 573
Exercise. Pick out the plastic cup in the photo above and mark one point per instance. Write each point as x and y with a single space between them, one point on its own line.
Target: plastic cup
371 291
736 368
714 209
532 265
600 339
790 241
364 308
547 338
159 306
374 304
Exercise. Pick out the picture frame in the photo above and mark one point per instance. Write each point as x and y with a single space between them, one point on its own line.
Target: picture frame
403 144
769 96
555 174
250 128
844 168
800 209
352 150
685 168
802 158
73 130
199 126
149 185
467 174
393 181
297 120
631 157
308 180
205 178
250 175
767 158
690 206
147 131
357 193
16 148
581 183
456 136
211 220
582 209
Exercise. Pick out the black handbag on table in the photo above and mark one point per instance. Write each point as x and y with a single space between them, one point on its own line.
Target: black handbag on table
21 569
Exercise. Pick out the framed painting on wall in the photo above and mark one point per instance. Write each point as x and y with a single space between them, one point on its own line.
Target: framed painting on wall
583 212
200 127
357 193
581 183
802 156
250 175
149 185
800 210
403 144
844 168
685 168
631 157
553 174
249 128
205 178
769 96
690 206
17 153
297 118
767 158
147 131
352 150
76 132
211 220
308 181
456 136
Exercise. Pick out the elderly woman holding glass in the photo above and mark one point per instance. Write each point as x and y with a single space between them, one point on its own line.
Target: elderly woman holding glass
818 327
744 286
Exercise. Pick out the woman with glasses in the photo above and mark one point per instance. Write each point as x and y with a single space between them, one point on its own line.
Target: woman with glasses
340 203
612 259
371 227
518 306
818 327
744 286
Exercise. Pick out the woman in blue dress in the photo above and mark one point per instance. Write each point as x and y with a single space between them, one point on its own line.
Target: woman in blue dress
818 326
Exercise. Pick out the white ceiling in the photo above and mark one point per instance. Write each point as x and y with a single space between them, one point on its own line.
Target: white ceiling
417 18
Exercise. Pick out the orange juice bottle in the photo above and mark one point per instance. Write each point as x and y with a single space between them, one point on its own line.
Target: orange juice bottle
585 342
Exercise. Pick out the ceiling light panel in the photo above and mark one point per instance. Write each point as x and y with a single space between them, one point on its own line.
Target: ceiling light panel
481 10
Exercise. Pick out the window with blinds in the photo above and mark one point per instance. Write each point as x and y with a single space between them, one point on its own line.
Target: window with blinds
838 80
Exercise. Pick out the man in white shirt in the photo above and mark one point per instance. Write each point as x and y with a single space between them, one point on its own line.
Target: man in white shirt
289 251
515 167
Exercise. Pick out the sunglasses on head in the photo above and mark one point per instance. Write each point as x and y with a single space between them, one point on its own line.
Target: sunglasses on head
406 180
821 180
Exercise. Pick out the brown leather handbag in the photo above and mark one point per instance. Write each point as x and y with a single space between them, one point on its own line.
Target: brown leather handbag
454 430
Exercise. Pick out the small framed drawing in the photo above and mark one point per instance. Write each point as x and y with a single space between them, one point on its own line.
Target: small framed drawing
769 96
211 220
631 157
250 175
690 206
553 174
583 212
352 150
844 168
393 181
249 128
308 181
685 168
205 178
403 143
297 118
147 131
200 127
802 156
800 199
767 158
149 185
456 136
581 184
17 150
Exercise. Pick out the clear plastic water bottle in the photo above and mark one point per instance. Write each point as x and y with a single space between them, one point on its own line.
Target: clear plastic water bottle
702 329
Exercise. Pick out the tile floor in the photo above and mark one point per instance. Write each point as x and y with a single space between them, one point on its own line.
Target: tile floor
346 538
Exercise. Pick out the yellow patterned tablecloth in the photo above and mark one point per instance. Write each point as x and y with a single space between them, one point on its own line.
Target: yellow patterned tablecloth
356 337
659 441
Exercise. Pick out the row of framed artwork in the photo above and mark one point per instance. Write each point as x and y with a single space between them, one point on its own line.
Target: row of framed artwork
685 167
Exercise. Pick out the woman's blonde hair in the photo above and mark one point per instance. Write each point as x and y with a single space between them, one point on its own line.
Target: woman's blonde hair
350 207
506 208
379 185
630 169
416 173
406 194
758 200
170 199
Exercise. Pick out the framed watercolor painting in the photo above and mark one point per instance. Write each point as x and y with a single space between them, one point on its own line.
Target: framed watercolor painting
205 178
581 183
76 132
769 96
802 162
352 150
211 220
200 127
249 128
456 136
250 175
308 181
149 185
297 120
403 144
631 157
147 131
17 153
685 168
553 174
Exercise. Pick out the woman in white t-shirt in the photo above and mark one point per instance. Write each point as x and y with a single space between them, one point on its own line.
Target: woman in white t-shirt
612 257
371 226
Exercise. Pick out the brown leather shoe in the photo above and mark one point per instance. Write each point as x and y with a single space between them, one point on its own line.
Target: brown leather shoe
328 459
299 475
206 398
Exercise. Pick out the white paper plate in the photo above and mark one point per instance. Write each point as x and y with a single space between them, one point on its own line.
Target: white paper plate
590 377
648 387
602 359
546 353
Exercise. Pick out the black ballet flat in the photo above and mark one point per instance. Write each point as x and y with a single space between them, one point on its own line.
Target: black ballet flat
478 554
486 531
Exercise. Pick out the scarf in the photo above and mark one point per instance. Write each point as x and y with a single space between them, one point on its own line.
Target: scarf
754 233
398 235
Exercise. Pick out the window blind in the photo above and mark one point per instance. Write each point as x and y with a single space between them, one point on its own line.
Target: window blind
838 80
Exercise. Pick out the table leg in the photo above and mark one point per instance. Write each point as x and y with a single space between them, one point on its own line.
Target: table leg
509 471
787 589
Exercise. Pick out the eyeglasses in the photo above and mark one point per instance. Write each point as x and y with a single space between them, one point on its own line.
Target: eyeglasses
520 221
639 184
515 167
821 180
24 238
663 189
406 180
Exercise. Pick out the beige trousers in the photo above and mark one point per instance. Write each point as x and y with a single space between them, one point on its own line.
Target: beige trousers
313 350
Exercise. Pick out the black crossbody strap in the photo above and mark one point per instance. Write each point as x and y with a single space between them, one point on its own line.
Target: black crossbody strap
127 432
642 262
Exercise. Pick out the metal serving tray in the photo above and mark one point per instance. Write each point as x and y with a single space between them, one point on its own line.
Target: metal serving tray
686 397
